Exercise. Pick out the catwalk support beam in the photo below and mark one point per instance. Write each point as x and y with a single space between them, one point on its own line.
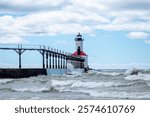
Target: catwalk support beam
42 51
47 59
19 52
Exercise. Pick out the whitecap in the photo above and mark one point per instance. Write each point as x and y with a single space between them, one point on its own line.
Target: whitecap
3 81
33 89
133 71
78 83
109 73
115 95
61 83
93 84
138 77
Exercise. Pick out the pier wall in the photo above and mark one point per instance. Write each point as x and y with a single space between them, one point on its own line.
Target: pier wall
25 73
21 73
56 71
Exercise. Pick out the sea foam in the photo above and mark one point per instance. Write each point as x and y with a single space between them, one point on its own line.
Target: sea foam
138 77
3 81
33 89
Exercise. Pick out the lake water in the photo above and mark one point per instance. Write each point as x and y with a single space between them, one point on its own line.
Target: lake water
102 84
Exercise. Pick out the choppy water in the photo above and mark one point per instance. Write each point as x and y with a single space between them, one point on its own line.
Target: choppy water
104 84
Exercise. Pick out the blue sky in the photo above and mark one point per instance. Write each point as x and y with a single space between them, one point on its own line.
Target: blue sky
116 32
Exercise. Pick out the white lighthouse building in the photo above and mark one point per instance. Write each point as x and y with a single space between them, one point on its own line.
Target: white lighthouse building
79 50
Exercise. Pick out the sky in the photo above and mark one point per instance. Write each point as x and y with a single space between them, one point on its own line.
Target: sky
116 32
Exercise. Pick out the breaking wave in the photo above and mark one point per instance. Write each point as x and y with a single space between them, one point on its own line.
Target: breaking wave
105 73
133 71
102 84
138 77
3 81
69 85
110 73
34 89
78 83
116 95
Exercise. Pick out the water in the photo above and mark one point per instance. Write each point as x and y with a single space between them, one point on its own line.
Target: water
103 84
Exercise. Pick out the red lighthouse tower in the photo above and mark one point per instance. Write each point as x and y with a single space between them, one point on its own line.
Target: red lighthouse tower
79 50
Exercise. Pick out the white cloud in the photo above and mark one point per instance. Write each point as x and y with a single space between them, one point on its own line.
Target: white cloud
94 5
138 35
69 28
48 23
52 17
130 26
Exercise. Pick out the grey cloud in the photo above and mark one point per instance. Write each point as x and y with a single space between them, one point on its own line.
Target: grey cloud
47 5
129 5
9 6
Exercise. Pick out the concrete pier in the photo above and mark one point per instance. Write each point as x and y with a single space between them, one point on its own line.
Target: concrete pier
21 73
26 73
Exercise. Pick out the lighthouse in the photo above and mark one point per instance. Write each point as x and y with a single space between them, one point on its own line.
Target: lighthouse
79 50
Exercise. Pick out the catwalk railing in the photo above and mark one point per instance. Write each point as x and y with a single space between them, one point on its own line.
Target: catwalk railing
51 58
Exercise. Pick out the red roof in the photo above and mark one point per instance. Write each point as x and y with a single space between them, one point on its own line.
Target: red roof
81 54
